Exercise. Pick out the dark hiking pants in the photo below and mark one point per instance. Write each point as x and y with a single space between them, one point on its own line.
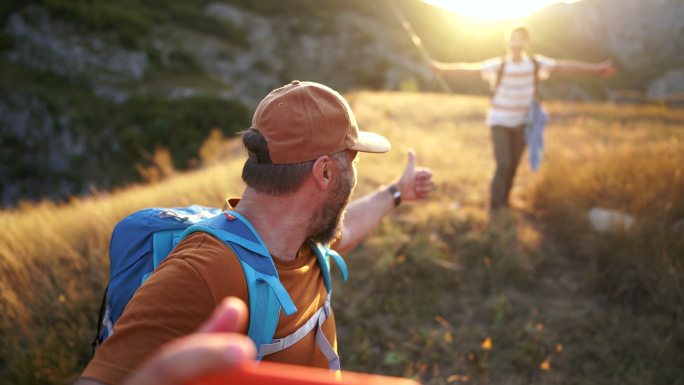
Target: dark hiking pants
509 144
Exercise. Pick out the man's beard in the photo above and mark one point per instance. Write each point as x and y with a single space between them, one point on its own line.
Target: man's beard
329 218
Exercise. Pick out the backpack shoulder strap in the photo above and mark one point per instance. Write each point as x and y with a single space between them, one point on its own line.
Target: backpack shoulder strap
266 293
535 62
499 75
502 67
323 254
315 323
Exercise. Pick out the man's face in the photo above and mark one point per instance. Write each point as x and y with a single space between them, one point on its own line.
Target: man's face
519 41
328 220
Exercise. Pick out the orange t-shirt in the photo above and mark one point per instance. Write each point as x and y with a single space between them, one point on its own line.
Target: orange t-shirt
183 292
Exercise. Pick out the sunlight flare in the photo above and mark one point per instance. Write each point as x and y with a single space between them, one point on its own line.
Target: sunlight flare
495 9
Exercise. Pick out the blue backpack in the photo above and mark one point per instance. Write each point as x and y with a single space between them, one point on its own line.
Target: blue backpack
141 241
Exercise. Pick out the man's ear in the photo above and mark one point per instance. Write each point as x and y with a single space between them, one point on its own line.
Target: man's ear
322 172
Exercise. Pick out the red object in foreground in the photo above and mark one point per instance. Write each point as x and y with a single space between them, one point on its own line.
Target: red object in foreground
251 373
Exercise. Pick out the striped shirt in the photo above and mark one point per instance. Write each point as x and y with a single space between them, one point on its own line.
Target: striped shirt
516 90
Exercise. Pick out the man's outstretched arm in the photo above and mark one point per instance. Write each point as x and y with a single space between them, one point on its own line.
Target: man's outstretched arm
458 69
364 214
574 67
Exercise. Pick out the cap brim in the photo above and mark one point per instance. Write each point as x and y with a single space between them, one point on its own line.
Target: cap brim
371 142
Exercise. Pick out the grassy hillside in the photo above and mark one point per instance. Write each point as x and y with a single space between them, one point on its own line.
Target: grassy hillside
438 292
90 88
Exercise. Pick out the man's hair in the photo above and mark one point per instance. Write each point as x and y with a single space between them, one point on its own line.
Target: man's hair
261 174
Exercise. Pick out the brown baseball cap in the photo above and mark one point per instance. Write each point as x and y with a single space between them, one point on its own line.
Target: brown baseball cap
305 120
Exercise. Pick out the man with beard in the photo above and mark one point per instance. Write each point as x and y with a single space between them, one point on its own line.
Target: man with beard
300 174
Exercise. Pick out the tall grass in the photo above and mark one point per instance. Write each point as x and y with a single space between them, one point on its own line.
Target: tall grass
438 292
641 267
54 267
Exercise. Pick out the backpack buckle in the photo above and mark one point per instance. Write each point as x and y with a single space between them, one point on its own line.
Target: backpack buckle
173 214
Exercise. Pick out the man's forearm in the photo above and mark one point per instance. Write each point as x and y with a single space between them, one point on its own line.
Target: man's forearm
574 67
458 69
362 216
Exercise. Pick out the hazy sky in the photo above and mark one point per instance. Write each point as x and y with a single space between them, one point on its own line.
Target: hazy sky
495 9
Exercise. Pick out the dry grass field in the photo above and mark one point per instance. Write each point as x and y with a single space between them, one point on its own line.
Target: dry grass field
439 291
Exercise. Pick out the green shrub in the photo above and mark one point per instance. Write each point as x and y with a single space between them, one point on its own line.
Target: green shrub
116 138
6 41
7 7
181 125
131 21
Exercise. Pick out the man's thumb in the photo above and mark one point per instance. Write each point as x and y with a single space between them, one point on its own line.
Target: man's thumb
411 164
229 316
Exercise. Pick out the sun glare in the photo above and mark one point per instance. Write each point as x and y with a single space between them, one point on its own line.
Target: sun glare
495 9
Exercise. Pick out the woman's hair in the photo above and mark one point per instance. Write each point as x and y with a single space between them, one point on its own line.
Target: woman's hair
524 29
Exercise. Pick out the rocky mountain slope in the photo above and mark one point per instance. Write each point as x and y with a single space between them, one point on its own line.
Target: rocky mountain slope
89 90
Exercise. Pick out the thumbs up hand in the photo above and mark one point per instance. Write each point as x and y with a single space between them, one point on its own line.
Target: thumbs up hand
607 68
416 182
